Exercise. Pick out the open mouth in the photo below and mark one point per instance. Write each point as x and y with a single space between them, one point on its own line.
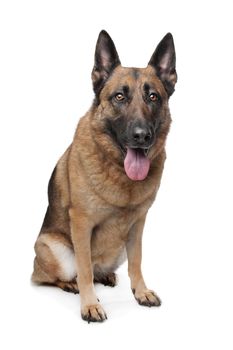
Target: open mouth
136 163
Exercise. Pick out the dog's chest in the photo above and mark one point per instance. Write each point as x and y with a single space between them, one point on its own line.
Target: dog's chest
112 233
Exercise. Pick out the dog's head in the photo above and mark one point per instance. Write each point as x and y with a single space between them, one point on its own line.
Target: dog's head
131 104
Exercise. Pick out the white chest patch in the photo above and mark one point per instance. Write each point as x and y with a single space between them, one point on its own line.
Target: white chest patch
66 260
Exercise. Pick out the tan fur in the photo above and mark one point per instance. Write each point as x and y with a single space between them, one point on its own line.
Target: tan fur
96 212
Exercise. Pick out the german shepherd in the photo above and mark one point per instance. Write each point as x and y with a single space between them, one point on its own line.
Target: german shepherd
103 185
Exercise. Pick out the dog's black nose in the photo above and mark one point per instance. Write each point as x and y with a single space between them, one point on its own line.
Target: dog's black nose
141 136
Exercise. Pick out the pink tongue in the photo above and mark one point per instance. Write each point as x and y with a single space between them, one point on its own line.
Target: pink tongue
136 164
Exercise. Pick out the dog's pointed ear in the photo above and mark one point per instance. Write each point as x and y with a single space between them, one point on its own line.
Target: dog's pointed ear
106 59
164 62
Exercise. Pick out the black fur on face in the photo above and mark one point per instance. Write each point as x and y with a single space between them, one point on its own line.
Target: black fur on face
135 115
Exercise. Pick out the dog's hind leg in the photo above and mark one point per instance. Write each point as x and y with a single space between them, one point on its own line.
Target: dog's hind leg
106 278
54 262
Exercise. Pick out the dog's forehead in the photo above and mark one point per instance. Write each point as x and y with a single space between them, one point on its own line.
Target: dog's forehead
135 78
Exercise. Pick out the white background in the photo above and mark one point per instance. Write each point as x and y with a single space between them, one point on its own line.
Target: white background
46 58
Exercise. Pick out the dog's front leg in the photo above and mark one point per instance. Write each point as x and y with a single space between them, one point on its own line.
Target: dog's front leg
142 294
81 230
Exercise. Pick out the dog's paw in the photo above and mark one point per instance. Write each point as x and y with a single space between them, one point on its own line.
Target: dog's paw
107 279
93 313
71 287
147 298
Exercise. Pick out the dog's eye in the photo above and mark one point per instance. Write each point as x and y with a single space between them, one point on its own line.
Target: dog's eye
119 97
153 97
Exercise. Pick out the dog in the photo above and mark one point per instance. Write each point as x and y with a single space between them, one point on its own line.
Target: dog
103 185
